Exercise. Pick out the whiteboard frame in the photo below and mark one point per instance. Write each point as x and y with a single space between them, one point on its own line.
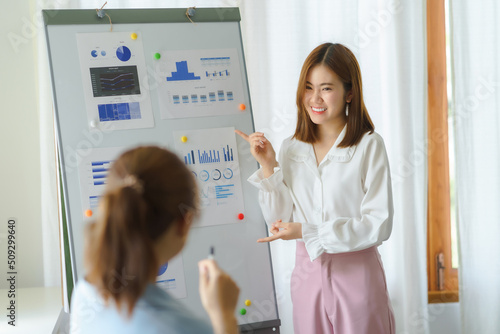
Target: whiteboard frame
54 18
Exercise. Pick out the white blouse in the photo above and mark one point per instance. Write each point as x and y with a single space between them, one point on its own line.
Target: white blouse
344 204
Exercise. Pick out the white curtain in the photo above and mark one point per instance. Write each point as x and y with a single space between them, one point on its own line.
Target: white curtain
388 38
476 105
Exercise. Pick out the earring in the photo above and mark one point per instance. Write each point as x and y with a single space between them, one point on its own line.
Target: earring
347 109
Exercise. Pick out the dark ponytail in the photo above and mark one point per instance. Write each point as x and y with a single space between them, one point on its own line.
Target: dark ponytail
148 189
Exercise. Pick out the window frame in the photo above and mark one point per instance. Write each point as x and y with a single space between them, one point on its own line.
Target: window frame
438 200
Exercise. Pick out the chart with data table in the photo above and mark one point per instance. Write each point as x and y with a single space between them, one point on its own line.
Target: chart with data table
212 157
113 69
194 83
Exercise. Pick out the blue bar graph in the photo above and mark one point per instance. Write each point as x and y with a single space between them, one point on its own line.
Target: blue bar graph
228 154
100 172
210 157
224 191
214 74
189 159
182 73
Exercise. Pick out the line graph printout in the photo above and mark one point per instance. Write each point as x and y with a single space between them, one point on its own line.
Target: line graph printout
111 66
93 171
196 83
212 156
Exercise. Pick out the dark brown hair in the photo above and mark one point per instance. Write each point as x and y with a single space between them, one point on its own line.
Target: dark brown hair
342 62
148 189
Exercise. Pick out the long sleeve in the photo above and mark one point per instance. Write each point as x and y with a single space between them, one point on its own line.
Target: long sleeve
373 224
274 196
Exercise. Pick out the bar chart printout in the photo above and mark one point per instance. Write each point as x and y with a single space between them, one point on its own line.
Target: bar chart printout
93 172
211 154
197 83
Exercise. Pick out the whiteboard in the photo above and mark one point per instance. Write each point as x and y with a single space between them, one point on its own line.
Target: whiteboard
165 32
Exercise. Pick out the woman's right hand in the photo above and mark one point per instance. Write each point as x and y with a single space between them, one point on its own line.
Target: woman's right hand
219 295
262 151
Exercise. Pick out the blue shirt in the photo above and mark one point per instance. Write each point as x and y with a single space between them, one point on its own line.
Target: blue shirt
155 312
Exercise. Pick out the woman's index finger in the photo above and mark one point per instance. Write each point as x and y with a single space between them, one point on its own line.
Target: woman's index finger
242 135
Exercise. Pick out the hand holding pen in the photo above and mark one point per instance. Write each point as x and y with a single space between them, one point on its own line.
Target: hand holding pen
219 295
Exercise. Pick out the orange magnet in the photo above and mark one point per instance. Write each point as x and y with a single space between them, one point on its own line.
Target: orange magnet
88 213
241 216
242 107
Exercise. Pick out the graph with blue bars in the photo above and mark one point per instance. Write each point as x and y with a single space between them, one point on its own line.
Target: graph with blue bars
224 191
100 172
199 156
182 73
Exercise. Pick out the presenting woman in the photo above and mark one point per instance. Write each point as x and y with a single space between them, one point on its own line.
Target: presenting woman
331 191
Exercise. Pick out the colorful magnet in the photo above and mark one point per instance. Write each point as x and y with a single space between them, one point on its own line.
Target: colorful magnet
248 302
88 213
157 55
184 139
243 311
133 35
242 107
241 216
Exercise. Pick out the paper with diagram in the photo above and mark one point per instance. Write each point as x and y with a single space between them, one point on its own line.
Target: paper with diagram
212 156
113 67
196 83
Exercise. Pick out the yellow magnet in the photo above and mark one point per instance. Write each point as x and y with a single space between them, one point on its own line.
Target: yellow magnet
184 139
133 35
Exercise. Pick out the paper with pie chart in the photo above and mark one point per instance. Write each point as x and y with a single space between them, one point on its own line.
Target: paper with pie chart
212 156
170 277
197 83
113 67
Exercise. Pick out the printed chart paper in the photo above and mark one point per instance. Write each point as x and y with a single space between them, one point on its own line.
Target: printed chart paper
212 156
113 67
171 278
93 171
198 83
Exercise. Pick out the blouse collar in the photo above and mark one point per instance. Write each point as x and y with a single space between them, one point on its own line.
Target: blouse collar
301 151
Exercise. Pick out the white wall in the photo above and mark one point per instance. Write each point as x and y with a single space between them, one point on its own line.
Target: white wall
19 145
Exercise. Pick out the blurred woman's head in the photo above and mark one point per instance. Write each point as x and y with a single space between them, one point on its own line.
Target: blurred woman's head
143 219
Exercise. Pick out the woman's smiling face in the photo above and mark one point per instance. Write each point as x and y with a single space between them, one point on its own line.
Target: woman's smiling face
325 97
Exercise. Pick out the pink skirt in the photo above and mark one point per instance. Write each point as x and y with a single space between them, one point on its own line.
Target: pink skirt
342 293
